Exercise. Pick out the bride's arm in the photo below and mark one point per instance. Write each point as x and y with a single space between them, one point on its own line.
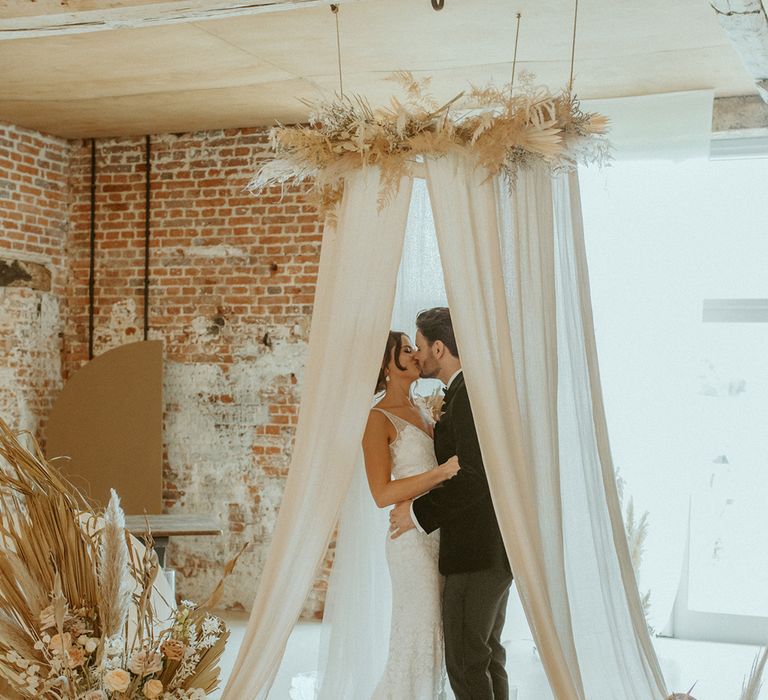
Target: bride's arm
378 466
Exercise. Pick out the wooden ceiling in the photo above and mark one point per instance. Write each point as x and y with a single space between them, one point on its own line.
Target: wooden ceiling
82 68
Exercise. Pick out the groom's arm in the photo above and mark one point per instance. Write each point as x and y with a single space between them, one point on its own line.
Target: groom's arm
469 486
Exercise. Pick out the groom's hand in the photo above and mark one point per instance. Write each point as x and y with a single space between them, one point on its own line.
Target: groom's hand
400 519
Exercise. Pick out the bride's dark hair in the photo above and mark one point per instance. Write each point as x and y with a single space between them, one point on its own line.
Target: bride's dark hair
394 343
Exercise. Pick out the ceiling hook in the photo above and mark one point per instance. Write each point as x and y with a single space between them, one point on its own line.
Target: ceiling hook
438 4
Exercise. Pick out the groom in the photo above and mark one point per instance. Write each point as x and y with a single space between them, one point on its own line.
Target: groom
472 556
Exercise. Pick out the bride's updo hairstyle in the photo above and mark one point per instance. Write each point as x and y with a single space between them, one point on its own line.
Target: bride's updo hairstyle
391 352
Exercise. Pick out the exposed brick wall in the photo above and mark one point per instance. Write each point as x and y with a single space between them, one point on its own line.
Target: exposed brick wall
232 285
33 227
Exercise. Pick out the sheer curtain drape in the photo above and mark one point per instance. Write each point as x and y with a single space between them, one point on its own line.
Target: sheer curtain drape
353 306
516 282
420 282
517 287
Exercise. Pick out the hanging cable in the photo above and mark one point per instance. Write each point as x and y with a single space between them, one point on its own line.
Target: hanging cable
147 211
92 261
573 45
514 55
335 10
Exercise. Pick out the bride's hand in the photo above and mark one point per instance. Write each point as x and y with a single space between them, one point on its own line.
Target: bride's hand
450 468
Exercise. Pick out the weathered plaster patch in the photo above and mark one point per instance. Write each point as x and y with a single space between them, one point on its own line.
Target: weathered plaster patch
212 423
120 328
214 251
30 375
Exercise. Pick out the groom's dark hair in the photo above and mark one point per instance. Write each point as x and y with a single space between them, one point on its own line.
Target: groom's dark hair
435 324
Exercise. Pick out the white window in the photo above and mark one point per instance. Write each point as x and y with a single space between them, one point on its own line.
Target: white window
678 256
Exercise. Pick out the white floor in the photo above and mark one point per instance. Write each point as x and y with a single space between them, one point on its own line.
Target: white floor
717 669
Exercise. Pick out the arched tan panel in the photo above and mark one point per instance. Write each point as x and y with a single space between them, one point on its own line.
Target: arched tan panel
108 420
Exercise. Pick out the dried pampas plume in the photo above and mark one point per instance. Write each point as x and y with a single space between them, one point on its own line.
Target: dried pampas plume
750 689
115 583
503 131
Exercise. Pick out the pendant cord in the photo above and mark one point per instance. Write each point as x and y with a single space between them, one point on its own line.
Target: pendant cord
514 56
335 10
573 45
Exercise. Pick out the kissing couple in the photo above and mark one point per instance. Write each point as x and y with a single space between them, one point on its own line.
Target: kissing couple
449 571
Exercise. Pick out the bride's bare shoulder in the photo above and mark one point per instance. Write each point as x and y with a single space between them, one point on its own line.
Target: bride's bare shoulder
378 426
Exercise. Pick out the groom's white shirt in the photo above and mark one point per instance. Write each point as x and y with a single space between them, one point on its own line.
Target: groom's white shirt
447 386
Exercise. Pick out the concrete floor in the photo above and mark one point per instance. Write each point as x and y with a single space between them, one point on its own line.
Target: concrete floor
717 669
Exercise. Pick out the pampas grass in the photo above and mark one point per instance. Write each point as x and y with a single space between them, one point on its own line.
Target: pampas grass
637 532
504 131
750 690
72 581
115 583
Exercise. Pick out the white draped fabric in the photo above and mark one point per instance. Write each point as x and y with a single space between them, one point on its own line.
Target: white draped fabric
353 304
516 283
524 330
420 283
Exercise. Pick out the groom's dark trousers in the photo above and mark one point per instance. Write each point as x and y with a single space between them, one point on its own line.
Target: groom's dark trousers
472 557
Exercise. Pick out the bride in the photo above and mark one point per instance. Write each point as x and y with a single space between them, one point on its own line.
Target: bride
382 634
400 465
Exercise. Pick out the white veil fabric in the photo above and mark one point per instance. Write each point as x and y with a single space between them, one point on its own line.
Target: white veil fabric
355 632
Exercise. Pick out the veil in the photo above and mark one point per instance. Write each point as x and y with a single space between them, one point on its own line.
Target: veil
354 638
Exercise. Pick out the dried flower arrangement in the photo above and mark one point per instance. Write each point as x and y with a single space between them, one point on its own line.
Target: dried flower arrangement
77 618
504 131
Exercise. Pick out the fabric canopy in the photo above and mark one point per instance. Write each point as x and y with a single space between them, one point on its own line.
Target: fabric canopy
517 286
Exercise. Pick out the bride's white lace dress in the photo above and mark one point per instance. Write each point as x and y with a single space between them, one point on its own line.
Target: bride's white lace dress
415 667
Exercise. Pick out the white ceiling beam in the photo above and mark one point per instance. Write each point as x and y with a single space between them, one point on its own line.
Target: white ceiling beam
81 18
746 24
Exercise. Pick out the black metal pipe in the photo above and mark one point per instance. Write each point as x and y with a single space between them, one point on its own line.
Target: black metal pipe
92 273
147 209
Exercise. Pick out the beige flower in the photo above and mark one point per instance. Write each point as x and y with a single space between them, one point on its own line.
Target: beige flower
58 644
95 695
117 680
76 656
173 649
144 663
152 689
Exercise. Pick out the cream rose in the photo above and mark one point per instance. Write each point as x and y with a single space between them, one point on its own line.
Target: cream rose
117 680
173 649
152 689
145 663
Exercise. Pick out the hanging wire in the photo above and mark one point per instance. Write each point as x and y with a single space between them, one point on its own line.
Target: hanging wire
514 56
573 45
335 10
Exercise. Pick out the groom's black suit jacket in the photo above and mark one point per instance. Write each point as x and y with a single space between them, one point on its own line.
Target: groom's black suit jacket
469 533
